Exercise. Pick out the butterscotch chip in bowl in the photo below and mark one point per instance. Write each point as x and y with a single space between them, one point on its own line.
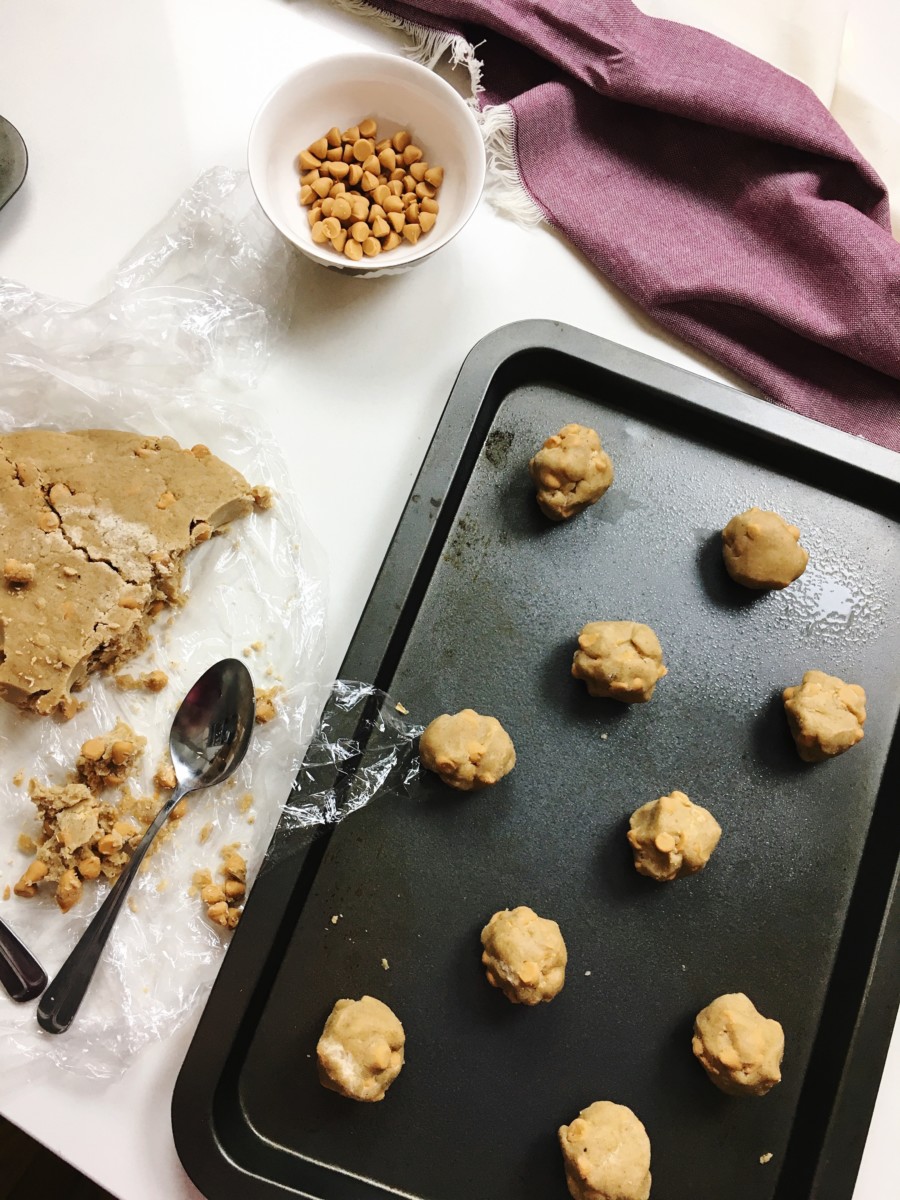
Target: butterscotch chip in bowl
95 525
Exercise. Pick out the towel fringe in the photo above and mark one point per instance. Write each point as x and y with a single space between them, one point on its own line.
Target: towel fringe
504 187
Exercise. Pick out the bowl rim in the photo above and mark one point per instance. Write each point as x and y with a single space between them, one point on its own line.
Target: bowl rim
332 260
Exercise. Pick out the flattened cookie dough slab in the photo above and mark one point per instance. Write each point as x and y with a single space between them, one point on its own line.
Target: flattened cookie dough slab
104 519
606 1154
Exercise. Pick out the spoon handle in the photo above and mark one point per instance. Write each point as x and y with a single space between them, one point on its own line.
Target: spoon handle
20 972
62 999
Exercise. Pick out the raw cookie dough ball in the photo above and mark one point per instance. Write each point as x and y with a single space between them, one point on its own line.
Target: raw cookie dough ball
825 714
360 1052
621 660
572 471
606 1153
740 1049
524 955
761 550
672 837
467 750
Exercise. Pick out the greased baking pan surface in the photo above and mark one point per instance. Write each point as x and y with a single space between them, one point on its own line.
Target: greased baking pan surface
478 605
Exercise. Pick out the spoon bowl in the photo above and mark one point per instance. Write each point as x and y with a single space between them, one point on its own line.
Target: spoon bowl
208 740
13 161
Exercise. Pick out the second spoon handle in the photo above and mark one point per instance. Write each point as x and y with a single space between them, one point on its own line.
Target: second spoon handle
20 972
63 997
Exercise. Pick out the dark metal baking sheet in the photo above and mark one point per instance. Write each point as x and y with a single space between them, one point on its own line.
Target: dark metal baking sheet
478 603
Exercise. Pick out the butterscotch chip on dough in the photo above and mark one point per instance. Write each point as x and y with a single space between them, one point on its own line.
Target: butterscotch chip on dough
524 955
619 660
108 760
104 519
571 472
671 837
360 1052
761 550
825 715
739 1048
606 1154
467 750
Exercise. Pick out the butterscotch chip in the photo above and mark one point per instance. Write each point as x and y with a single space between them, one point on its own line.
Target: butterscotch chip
571 471
671 837
18 573
360 1052
619 660
105 556
524 956
761 550
825 715
739 1048
606 1154
265 704
467 750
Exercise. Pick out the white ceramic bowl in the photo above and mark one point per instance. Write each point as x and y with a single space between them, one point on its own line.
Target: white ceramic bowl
343 91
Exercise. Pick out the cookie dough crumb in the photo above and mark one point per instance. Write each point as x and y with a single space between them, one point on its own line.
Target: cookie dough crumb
26 843
360 1052
205 832
108 760
133 905
765 1158
18 574
401 708
224 901
739 1048
335 919
385 965
18 779
6 892
619 660
263 497
825 715
164 777
762 551
245 803
265 704
571 471
671 837
524 955
150 681
606 1154
467 750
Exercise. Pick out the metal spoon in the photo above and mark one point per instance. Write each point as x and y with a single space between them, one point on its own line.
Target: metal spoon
209 738
20 972
13 161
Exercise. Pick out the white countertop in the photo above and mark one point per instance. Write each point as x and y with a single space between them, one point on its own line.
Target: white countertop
122 106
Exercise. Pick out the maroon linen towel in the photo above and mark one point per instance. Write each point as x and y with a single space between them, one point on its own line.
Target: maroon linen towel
714 190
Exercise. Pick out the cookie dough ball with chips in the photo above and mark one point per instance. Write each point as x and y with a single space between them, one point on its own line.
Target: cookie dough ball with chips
619 660
524 955
571 471
826 715
761 550
467 750
740 1049
360 1052
606 1154
671 837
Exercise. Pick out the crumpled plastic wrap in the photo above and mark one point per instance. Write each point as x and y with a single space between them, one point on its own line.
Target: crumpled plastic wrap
187 324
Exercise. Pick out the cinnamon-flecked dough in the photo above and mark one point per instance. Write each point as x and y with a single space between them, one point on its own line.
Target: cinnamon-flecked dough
825 715
671 837
619 660
761 550
467 750
571 471
524 955
102 521
360 1052
740 1049
606 1154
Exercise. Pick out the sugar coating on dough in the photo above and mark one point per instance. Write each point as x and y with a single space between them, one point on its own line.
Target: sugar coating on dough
606 1154
671 837
571 471
619 660
524 955
467 750
360 1052
761 550
825 715
740 1049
